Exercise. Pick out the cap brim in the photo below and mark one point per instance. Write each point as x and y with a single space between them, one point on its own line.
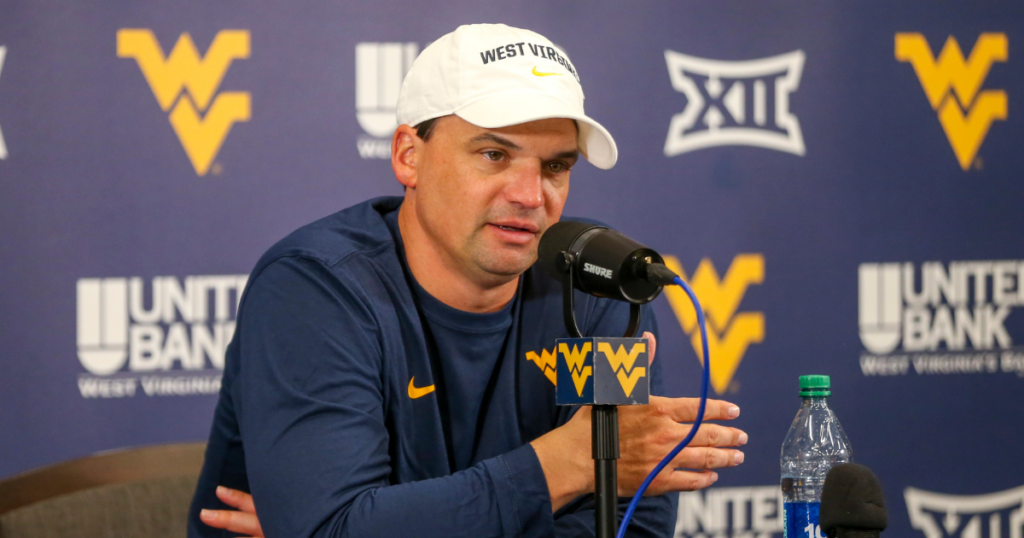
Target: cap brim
515 107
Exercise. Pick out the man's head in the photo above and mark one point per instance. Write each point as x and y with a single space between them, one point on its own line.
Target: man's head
483 197
500 121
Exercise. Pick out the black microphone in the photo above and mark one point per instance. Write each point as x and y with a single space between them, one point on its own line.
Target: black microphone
852 503
603 262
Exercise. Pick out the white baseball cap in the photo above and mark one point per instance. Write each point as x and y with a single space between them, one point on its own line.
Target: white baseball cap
493 75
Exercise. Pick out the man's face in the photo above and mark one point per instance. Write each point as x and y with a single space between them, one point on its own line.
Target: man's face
485 196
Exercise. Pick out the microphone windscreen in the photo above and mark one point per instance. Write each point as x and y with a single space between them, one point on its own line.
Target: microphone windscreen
557 238
852 498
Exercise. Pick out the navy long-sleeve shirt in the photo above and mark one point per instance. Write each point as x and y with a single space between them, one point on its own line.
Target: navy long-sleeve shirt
355 404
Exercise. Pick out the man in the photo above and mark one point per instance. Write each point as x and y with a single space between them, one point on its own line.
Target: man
378 382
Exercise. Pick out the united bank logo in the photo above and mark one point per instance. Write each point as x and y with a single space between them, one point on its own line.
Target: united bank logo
953 87
730 332
939 318
738 512
729 103
380 70
994 515
185 85
3 145
169 339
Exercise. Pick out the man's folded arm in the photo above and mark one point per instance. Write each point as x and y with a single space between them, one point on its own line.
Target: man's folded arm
310 402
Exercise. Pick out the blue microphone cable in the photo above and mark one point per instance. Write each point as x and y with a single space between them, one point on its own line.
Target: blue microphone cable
705 377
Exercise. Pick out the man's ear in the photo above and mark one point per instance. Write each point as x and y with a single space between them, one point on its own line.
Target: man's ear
405 146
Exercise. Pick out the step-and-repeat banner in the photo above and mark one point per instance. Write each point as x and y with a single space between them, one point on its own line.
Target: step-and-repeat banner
836 179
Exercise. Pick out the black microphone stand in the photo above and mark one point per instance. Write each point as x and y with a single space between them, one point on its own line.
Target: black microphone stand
604 418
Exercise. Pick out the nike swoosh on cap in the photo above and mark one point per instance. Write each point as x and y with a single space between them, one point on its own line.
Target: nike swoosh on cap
540 74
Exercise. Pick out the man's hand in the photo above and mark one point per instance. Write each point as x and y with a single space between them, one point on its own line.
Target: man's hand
243 522
646 434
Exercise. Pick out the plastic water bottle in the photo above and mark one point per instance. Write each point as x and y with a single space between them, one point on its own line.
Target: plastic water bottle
814 444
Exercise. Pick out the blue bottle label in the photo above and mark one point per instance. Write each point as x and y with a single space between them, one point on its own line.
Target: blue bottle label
801 520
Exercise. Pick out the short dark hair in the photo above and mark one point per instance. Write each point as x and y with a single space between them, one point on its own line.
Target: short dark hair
425 128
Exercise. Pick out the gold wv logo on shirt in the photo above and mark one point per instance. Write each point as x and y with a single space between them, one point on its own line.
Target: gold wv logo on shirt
546 361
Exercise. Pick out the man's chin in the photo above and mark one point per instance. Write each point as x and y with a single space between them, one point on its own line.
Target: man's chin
507 267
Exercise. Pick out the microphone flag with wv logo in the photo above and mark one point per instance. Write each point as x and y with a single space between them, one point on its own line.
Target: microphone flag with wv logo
602 371
199 77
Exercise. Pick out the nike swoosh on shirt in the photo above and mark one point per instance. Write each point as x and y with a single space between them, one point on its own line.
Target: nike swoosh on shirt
418 392
540 74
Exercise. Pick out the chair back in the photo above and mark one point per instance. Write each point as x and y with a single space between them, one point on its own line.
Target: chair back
141 492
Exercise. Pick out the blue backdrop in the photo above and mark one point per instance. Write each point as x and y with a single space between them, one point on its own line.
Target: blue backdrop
836 179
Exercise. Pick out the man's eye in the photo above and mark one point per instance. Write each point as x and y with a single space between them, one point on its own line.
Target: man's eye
494 155
557 167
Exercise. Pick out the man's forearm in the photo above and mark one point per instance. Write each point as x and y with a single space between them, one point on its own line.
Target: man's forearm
567 464
502 496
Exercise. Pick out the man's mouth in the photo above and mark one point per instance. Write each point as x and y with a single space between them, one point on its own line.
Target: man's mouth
516 232
516 225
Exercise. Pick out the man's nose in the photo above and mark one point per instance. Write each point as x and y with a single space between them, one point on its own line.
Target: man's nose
526 187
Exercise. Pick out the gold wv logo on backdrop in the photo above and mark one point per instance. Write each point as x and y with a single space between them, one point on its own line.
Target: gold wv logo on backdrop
622 363
575 359
952 86
201 135
730 333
